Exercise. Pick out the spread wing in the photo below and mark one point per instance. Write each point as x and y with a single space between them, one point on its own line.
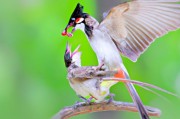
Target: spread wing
135 25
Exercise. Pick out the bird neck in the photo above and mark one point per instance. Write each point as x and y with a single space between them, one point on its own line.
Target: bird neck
90 24
88 30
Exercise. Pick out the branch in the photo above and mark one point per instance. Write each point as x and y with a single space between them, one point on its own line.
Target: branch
84 108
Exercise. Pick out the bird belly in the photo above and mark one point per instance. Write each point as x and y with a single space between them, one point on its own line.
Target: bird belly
91 88
80 89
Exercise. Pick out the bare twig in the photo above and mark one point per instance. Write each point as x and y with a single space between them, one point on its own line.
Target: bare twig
68 112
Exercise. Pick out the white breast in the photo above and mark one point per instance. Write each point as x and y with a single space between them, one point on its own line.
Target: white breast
105 49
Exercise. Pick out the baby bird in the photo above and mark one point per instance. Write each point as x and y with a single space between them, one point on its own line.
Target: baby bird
86 81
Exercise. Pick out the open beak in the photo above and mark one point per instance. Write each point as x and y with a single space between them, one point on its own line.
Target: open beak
65 32
68 53
67 56
75 51
68 50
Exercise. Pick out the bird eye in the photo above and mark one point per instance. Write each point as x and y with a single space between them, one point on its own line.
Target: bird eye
73 19
79 20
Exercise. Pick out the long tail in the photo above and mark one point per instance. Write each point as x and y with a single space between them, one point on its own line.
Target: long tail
137 101
134 94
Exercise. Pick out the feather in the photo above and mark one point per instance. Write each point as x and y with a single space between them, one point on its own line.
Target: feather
135 25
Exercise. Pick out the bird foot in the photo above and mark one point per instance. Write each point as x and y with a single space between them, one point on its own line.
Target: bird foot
99 67
77 104
111 99
87 101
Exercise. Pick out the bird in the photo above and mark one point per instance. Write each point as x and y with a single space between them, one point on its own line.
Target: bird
128 29
82 79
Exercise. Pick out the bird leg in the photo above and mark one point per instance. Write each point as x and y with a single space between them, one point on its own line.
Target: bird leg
99 67
87 101
79 104
111 99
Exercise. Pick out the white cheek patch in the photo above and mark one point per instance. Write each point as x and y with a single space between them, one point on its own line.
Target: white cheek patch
80 26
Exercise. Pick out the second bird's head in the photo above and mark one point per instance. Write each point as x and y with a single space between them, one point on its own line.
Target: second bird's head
72 57
78 20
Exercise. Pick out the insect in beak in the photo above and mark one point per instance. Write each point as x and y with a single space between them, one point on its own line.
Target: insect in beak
77 17
65 32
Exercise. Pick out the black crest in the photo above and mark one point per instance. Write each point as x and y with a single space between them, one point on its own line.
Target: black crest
78 12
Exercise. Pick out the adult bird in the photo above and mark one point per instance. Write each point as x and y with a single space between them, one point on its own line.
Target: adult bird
128 28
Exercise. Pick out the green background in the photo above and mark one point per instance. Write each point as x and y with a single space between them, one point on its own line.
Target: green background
33 82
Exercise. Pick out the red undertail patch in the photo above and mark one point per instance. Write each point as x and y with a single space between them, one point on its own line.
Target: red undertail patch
120 74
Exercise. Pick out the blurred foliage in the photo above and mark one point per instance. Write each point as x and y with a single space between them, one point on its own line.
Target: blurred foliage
33 82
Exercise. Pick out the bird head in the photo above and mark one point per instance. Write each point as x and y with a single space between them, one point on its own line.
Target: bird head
72 57
77 21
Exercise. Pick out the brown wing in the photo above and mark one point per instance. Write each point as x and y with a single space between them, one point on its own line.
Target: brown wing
135 25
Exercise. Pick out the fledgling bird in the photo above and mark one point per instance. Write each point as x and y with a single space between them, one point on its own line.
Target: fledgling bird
82 79
129 29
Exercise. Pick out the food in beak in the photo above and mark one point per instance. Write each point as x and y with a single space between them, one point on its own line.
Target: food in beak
65 32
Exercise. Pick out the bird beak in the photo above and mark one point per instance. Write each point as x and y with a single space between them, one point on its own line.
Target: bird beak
68 53
67 56
75 51
78 12
68 50
65 32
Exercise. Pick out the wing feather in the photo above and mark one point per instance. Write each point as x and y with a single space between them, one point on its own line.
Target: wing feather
137 38
140 33
135 25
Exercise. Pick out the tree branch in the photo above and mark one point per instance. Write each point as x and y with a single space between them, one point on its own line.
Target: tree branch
84 108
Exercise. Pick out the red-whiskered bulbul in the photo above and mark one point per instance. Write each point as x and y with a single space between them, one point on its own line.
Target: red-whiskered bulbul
85 80
128 28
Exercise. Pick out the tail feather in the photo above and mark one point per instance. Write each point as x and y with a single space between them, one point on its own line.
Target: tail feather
136 99
133 93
